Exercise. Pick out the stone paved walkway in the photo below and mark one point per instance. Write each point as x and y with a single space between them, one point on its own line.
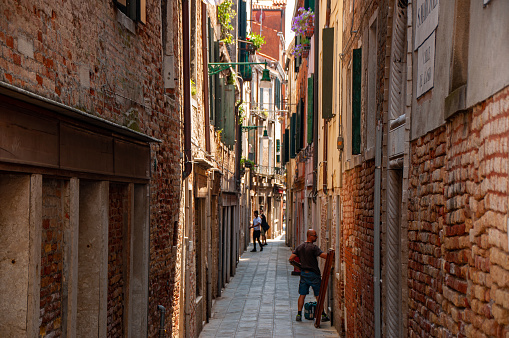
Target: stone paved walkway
261 300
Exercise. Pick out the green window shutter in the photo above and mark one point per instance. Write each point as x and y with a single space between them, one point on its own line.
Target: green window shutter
228 135
310 109
278 158
219 103
287 146
278 145
278 93
298 129
327 73
292 136
283 153
356 101
215 88
212 79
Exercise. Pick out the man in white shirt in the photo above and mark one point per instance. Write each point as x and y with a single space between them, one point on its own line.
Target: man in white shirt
257 222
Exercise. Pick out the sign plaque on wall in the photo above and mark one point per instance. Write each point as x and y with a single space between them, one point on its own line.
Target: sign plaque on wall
426 65
426 20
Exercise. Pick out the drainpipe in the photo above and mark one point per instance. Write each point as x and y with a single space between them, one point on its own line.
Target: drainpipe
205 75
376 252
315 101
188 165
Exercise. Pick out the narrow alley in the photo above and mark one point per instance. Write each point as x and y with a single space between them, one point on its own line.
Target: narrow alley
261 300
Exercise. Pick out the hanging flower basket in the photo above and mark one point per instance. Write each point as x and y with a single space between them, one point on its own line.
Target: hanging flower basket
250 48
310 30
303 48
302 21
256 40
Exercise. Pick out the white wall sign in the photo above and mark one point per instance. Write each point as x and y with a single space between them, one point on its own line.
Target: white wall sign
169 72
426 21
426 65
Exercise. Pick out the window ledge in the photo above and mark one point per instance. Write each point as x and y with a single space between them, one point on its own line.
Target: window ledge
353 161
125 21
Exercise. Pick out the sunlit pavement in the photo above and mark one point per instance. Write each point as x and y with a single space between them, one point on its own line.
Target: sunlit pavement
261 300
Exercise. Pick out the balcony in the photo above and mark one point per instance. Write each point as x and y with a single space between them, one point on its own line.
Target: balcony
277 172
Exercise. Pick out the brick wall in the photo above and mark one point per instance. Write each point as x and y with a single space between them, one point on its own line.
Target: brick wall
53 220
357 248
80 54
117 272
458 273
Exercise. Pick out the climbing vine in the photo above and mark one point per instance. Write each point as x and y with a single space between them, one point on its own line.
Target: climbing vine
225 14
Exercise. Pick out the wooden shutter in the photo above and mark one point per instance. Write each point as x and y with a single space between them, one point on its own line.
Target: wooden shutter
219 103
214 83
142 11
298 129
356 101
310 110
292 136
327 73
228 135
286 145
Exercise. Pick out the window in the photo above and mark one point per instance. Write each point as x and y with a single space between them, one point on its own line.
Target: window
134 9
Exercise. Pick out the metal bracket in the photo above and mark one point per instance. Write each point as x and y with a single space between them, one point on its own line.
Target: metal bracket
218 67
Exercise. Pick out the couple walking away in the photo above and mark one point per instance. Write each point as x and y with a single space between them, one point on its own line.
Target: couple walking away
260 226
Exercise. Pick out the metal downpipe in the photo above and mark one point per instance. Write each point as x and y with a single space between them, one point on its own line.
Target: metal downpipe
377 254
188 165
205 86
315 100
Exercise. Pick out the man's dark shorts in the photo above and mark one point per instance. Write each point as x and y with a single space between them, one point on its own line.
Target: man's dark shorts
309 279
256 234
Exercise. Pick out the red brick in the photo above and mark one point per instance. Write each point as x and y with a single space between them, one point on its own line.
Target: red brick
9 42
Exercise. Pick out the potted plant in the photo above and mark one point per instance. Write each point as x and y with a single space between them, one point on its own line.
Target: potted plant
256 40
303 48
303 22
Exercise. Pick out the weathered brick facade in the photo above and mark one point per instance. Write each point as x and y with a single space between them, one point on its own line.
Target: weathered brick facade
458 271
117 260
357 248
93 58
53 222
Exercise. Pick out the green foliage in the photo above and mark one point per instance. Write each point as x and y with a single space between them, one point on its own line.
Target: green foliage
231 79
193 88
244 162
225 14
257 40
242 113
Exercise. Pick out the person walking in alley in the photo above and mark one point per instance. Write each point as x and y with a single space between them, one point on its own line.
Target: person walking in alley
257 223
265 227
310 273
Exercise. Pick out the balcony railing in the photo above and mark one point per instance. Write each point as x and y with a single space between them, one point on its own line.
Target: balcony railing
269 171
